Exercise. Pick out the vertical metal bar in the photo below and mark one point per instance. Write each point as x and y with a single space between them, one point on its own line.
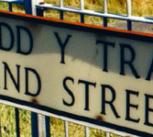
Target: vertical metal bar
62 15
17 121
129 24
107 134
10 6
0 124
82 8
47 125
129 8
66 129
61 3
82 4
39 11
105 20
34 125
129 14
42 125
82 18
105 6
28 6
87 132
62 12
34 4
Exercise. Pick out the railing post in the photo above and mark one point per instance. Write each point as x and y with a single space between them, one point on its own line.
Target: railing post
105 6
87 132
34 125
28 6
10 7
62 15
34 3
61 12
82 4
39 11
47 126
105 20
43 122
61 3
82 8
107 134
17 121
129 8
66 125
129 14
40 125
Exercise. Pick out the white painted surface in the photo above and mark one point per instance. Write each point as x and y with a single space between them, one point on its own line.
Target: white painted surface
66 128
82 4
105 6
41 126
87 132
129 8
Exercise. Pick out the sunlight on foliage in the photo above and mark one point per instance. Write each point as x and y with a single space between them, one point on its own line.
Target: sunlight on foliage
7 121
57 128
139 7
25 123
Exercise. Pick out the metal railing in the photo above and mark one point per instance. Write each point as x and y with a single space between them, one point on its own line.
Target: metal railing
37 7
105 14
41 127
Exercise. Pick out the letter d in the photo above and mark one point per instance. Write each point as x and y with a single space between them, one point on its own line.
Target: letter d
10 37
34 74
23 48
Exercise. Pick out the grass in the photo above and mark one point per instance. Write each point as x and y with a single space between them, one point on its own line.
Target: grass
8 125
7 121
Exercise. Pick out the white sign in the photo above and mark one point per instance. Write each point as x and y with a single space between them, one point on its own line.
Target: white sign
85 75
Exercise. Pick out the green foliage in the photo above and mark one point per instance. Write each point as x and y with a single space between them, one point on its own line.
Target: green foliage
25 123
3 6
8 124
7 121
97 133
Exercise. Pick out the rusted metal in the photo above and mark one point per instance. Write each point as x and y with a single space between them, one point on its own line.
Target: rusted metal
100 118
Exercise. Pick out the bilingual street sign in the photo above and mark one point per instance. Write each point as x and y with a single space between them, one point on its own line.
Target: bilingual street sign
92 74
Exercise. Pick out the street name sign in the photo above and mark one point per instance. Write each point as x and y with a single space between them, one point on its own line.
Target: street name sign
97 75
